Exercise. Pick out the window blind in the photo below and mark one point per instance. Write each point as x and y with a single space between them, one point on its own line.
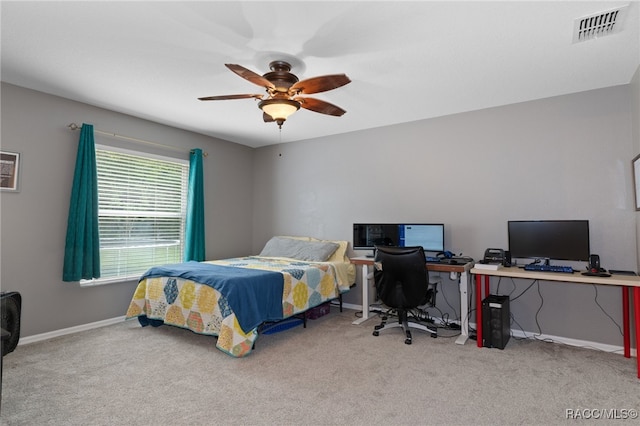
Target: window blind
142 205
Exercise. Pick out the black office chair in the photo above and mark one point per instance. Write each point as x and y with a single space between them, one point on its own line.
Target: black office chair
402 284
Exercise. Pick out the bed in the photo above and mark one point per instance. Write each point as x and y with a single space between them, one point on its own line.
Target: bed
232 298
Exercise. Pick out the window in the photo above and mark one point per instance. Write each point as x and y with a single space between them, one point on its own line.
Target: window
142 208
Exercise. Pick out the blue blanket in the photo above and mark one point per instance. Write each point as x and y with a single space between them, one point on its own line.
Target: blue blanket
254 295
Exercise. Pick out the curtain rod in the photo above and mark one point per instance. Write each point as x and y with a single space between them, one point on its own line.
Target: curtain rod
74 126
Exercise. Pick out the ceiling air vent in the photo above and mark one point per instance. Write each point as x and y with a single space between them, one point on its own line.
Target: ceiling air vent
599 24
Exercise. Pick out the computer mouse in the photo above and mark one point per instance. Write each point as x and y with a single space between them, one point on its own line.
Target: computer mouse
453 262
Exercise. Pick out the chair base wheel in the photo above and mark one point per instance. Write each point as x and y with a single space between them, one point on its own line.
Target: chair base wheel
407 341
433 335
375 333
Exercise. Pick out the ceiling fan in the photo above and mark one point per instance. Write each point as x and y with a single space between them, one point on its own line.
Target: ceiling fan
284 90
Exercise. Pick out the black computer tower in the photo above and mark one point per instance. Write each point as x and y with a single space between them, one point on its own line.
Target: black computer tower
496 319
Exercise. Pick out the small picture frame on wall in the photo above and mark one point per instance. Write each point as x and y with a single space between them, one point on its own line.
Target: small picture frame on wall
635 165
9 171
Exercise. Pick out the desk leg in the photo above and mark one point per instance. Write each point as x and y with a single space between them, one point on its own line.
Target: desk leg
479 310
636 309
365 296
487 282
464 308
625 322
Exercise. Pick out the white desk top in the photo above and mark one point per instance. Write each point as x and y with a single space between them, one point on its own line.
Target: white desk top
435 267
576 277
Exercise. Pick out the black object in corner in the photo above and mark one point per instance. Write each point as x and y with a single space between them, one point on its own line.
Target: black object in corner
11 307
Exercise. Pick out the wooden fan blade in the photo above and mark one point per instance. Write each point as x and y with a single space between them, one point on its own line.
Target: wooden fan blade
320 106
267 118
320 84
250 75
225 97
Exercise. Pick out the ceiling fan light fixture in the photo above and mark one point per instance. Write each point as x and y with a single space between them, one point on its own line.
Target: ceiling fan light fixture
284 90
279 109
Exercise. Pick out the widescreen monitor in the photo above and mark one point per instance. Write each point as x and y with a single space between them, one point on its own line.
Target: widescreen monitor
549 239
428 235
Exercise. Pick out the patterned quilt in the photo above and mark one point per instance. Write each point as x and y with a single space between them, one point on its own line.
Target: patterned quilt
202 309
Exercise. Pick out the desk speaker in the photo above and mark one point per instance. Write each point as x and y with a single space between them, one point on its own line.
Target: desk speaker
496 321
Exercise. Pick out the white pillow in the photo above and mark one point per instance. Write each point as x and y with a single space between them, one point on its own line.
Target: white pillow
311 251
340 255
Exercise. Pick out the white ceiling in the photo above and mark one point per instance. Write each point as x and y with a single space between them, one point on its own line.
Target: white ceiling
407 60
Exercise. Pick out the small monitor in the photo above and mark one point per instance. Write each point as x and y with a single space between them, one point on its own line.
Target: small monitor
368 235
549 239
428 235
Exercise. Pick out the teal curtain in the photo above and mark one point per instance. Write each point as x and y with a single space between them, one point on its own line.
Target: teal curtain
194 234
82 247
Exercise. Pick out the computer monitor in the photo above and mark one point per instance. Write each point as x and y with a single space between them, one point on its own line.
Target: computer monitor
368 235
428 235
549 239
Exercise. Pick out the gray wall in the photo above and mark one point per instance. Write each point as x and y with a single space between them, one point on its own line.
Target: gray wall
567 157
560 158
34 221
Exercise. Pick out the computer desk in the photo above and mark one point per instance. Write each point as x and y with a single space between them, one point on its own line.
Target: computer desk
626 282
463 281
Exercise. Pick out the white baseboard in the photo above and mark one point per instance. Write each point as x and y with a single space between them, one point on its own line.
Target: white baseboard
352 306
543 337
573 342
515 333
568 341
70 330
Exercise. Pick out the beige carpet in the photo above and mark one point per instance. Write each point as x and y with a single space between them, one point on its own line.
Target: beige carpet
332 373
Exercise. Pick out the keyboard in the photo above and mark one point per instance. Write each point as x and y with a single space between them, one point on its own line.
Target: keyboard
549 268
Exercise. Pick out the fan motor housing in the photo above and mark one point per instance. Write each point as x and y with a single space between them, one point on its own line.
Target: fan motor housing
280 75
